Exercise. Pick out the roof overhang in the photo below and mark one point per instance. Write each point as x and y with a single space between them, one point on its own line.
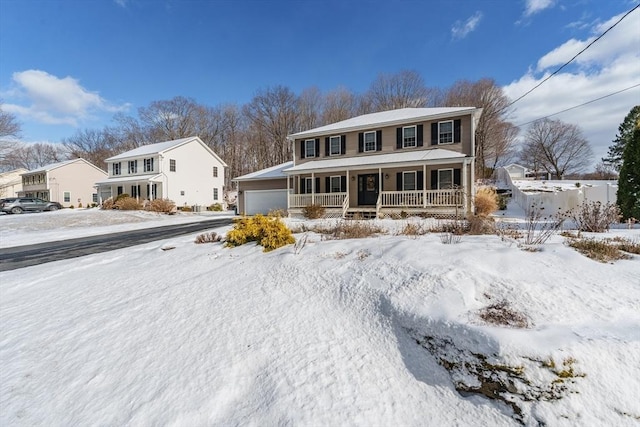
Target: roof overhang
130 179
435 156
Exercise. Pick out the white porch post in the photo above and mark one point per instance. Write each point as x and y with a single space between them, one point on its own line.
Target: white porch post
288 193
464 183
313 188
424 186
348 193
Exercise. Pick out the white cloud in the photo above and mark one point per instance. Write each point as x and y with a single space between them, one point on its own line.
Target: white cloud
609 65
121 3
534 6
54 100
461 29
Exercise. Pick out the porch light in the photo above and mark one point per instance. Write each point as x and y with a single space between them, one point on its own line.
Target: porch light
353 178
386 176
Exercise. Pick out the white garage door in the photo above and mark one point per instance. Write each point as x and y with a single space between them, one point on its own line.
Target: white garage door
263 201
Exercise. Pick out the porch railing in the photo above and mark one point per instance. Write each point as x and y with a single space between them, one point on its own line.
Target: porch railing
324 199
422 198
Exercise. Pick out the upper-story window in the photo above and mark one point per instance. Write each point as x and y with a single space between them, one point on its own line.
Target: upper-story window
148 165
335 146
172 165
369 141
310 148
409 136
215 171
133 166
445 132
116 168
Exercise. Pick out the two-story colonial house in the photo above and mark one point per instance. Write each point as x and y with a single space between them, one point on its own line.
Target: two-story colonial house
185 171
69 182
416 160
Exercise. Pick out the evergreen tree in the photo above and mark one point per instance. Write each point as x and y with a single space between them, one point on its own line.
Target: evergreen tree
629 181
625 132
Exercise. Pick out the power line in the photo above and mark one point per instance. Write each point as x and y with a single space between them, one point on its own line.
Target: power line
581 105
571 60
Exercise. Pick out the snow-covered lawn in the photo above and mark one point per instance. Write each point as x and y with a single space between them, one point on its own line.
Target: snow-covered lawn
367 332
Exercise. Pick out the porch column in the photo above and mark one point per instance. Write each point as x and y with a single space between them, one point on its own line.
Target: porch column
424 186
288 193
348 179
465 186
313 188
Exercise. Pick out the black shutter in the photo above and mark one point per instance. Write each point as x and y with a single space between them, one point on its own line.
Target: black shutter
434 133
302 153
317 147
343 183
378 140
399 181
360 142
343 144
398 138
303 186
327 183
434 179
456 177
420 179
456 130
326 147
419 136
317 189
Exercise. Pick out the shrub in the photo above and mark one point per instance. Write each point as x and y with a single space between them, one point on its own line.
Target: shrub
502 314
216 207
280 213
108 204
502 202
269 232
161 205
486 201
127 204
353 229
186 209
211 237
481 225
313 211
539 228
79 205
598 250
121 196
413 229
71 207
595 217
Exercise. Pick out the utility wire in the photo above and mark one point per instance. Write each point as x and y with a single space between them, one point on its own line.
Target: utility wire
581 105
571 60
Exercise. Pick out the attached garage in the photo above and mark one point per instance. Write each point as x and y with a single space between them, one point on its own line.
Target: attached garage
262 191
263 201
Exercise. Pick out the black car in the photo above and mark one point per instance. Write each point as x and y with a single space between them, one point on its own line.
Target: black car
18 205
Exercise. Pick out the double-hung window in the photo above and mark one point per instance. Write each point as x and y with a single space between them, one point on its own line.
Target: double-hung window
133 166
172 165
409 136
335 146
310 148
445 179
409 181
308 185
336 184
369 141
445 132
148 165
116 168
215 171
215 194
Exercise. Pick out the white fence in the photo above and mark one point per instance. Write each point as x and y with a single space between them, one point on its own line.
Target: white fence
559 199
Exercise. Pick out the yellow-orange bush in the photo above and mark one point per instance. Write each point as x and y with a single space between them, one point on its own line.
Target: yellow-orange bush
161 205
486 201
269 232
127 204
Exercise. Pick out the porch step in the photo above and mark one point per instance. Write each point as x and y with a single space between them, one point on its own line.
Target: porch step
360 214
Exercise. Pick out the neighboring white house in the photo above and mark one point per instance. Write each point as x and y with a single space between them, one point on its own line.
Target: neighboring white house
516 171
11 182
68 183
185 171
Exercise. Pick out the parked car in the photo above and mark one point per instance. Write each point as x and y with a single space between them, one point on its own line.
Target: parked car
18 205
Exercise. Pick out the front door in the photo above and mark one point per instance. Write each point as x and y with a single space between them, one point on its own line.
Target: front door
368 189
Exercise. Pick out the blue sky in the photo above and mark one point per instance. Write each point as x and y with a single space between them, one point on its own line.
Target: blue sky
68 65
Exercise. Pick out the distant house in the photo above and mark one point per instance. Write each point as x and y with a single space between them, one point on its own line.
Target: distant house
516 171
263 191
11 182
185 171
69 183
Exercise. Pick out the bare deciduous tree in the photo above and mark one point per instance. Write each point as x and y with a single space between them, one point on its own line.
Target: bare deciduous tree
405 89
558 148
339 104
495 137
33 156
95 145
9 125
309 106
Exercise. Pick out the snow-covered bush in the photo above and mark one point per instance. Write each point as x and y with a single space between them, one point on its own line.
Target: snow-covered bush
595 217
161 205
486 201
313 211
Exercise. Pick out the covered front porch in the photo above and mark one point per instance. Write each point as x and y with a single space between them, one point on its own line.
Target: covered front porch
138 187
431 187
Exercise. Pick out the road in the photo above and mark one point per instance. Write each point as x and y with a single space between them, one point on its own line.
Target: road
25 256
